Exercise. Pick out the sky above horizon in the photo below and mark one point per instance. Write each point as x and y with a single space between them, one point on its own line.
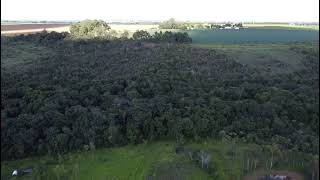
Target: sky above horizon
200 10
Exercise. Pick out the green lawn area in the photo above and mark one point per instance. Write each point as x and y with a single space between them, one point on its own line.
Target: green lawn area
129 162
157 160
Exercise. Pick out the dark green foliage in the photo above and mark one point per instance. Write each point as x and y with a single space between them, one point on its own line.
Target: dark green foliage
169 37
172 24
238 25
141 35
43 37
102 93
179 37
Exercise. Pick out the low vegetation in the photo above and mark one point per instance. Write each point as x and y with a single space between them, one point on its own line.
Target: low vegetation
164 160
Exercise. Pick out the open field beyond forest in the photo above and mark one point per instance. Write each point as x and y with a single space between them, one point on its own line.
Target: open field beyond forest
256 33
281 26
17 29
14 29
254 36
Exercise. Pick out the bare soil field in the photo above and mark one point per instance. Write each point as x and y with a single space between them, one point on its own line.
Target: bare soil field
15 27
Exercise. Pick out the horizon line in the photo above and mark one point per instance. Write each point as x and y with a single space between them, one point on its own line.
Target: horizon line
133 21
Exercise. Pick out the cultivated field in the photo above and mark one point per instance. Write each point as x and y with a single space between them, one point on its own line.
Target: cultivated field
261 33
254 36
281 26
15 29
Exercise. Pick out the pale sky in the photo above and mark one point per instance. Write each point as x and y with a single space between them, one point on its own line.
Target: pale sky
192 10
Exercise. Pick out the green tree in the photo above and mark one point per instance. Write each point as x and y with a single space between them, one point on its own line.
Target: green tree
141 35
125 35
172 24
90 29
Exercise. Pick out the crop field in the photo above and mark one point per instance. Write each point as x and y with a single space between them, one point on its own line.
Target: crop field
30 26
257 33
243 36
281 26
14 29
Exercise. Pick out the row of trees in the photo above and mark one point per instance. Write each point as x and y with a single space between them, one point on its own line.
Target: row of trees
90 29
177 37
173 24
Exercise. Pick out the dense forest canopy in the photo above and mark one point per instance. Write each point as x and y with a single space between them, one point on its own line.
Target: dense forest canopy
76 94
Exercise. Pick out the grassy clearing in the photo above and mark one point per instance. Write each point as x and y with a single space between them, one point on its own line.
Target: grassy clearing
234 160
157 160
129 162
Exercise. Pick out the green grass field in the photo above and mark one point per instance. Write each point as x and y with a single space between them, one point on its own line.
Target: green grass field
157 160
129 162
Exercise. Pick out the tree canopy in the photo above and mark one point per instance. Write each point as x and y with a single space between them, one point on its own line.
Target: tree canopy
60 95
90 29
